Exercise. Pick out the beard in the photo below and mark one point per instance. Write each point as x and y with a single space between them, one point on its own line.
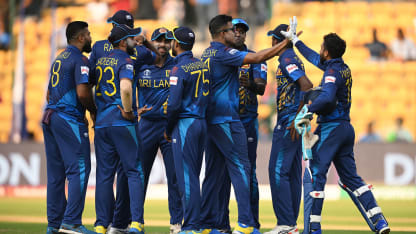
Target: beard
164 53
321 59
238 43
130 50
174 53
87 47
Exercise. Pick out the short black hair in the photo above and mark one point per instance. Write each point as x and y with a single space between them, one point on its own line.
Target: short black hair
74 28
216 23
334 45
111 39
186 47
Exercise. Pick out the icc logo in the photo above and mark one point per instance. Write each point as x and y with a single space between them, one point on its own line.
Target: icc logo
147 73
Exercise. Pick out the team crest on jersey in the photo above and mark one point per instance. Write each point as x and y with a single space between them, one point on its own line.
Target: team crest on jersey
147 74
246 66
279 72
287 60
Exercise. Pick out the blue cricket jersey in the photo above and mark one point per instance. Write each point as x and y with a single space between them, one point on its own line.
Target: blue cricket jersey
189 89
223 64
288 96
248 98
109 70
336 86
142 55
153 88
69 69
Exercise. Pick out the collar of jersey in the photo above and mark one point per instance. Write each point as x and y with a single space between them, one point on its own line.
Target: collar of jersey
71 47
217 44
187 54
285 53
336 60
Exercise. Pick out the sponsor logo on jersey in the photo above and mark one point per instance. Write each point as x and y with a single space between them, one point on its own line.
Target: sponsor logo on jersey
85 70
129 67
263 67
330 79
173 80
291 68
233 51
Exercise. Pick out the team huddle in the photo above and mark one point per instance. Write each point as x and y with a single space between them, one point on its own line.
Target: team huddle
141 99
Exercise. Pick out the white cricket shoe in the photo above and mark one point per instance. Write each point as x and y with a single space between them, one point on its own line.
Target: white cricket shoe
175 228
113 230
283 229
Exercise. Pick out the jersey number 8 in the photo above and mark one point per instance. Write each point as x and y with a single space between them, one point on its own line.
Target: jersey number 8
55 73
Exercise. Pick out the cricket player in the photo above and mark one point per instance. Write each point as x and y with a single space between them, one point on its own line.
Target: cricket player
253 80
227 140
186 128
142 55
336 134
65 131
116 135
285 165
153 91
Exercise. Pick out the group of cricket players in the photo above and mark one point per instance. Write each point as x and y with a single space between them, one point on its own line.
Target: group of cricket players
148 95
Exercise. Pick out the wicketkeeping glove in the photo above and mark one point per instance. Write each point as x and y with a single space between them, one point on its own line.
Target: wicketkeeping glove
291 34
308 141
303 119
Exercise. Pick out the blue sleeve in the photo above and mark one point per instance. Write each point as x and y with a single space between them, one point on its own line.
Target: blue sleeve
292 69
327 96
93 61
176 82
310 55
126 71
82 71
232 57
144 55
260 71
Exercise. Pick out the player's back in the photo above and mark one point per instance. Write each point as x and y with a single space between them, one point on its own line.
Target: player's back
223 63
108 71
339 74
193 75
290 69
69 69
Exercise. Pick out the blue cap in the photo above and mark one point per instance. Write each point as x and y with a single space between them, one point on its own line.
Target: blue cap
160 32
240 22
122 31
122 17
183 35
276 32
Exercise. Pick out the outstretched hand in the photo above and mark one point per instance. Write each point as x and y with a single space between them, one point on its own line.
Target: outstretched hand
291 32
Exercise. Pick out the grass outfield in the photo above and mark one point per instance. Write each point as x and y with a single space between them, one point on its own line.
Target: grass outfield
28 215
